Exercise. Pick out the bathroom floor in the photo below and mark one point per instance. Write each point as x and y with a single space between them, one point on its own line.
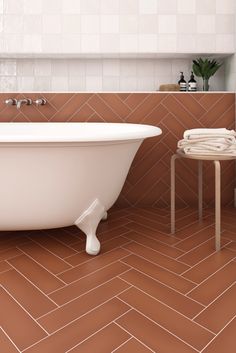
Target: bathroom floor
147 291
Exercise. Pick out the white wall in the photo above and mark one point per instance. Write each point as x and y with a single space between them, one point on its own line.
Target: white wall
95 74
57 28
116 26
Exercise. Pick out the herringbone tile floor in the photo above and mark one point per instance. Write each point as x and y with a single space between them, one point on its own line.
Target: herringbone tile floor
146 292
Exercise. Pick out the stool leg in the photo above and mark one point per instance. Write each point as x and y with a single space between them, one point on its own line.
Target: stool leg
217 205
200 192
172 203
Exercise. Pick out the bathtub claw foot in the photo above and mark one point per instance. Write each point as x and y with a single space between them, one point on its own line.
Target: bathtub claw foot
88 223
104 217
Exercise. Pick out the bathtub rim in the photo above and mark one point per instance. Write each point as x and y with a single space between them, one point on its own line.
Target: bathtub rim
28 133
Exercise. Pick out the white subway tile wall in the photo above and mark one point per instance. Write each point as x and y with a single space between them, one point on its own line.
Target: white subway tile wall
43 28
95 74
113 26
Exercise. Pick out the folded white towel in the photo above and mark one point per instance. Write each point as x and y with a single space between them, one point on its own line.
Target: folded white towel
219 144
204 133
202 151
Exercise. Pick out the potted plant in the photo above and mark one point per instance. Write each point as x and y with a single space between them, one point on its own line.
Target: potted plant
205 68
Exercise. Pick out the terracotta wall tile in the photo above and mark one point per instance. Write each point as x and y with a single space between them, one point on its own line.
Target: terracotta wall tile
174 113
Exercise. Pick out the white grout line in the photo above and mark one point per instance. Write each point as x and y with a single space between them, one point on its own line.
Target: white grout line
163 303
194 235
91 259
1 328
213 301
211 275
135 337
82 295
163 328
218 334
14 299
163 284
78 279
45 268
207 257
87 338
44 294
71 322
124 343
47 250
162 267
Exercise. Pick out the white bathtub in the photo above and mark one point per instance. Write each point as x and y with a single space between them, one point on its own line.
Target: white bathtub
59 174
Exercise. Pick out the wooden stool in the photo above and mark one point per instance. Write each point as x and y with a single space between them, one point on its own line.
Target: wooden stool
216 160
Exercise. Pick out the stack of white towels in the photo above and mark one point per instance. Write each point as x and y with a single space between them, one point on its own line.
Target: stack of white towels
209 142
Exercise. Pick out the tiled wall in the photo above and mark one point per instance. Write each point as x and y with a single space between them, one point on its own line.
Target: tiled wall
148 183
116 26
72 75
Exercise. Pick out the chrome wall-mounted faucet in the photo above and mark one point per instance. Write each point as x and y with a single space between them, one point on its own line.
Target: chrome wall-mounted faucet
40 101
11 101
25 101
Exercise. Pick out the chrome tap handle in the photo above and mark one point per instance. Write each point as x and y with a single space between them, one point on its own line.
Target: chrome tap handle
25 101
40 101
11 101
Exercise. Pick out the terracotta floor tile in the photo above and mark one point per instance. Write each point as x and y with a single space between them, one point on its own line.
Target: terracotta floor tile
230 235
231 246
184 328
164 238
148 223
149 214
160 274
78 307
52 245
225 342
196 239
6 345
34 301
112 224
152 335
210 289
87 283
179 281
208 266
111 234
10 253
4 266
18 325
199 253
192 229
45 258
40 277
177 301
133 346
63 236
157 258
151 243
109 245
105 341
93 265
79 330
220 312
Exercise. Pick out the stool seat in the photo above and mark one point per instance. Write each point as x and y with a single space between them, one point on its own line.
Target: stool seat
216 159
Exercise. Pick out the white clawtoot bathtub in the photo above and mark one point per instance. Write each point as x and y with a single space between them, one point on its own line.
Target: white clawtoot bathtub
59 174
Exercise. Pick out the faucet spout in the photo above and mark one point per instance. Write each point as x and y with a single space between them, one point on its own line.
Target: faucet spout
25 101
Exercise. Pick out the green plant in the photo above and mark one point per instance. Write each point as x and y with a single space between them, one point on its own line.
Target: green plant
205 68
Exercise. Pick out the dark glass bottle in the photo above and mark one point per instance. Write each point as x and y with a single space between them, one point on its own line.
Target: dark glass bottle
192 84
182 83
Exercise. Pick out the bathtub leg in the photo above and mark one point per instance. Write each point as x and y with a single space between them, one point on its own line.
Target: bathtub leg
104 217
88 223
